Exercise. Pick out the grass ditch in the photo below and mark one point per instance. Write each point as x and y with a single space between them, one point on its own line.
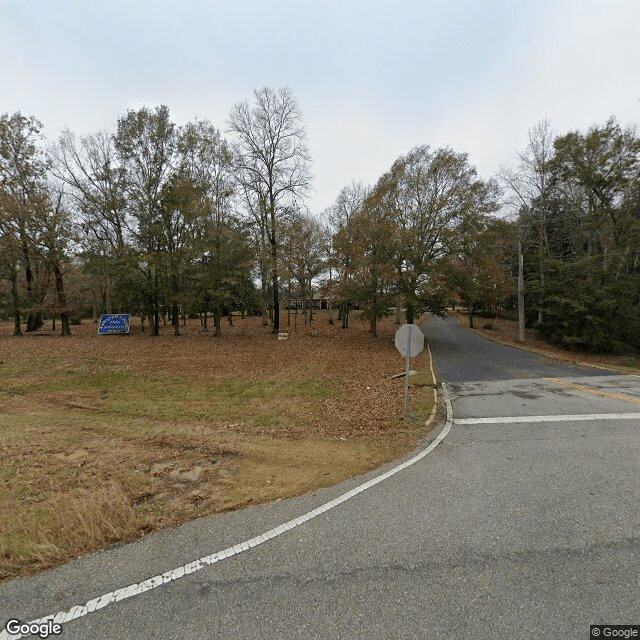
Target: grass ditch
106 438
423 393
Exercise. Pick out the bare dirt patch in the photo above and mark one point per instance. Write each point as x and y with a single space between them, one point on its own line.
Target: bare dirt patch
105 438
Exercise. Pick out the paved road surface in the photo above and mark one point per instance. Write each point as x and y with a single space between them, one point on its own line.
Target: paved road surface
461 355
519 528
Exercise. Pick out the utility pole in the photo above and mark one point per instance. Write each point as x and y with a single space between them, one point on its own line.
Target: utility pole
521 335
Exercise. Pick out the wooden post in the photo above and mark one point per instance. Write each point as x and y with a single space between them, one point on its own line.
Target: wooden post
521 332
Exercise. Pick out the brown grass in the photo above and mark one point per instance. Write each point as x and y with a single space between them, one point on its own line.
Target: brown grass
105 438
506 331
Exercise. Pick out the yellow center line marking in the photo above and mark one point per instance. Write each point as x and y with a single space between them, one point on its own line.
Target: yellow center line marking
595 392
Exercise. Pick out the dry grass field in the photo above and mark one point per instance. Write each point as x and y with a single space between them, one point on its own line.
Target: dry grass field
105 438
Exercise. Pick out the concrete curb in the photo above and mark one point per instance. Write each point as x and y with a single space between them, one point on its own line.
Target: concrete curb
432 415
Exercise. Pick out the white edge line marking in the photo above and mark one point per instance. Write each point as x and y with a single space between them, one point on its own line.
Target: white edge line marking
78 611
560 418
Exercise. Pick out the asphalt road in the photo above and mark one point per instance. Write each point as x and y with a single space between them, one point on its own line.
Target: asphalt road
461 355
522 523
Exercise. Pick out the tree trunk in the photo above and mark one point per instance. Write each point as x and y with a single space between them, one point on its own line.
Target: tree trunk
155 324
62 302
175 318
216 320
410 313
155 320
540 314
373 320
34 319
276 298
274 274
373 325
17 330
345 316
471 317
175 310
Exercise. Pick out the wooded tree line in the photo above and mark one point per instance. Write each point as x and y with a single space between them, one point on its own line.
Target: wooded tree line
424 236
418 237
152 218
578 199
166 221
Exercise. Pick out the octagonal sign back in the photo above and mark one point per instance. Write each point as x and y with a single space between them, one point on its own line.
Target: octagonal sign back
409 340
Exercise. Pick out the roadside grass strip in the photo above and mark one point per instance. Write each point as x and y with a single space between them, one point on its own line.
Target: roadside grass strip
79 611
559 418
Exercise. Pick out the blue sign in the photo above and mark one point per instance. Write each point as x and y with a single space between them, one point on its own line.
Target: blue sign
114 323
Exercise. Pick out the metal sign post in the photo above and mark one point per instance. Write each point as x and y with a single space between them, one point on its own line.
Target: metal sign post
409 342
406 378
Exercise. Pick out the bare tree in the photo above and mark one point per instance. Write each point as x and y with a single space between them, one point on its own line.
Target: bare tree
530 179
304 253
529 185
95 187
272 161
56 235
344 250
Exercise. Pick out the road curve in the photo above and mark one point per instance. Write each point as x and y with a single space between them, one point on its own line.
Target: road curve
519 530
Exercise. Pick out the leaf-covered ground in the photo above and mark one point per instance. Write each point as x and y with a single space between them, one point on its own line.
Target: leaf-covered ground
104 438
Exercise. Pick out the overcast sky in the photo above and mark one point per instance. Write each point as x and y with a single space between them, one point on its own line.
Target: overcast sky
373 79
